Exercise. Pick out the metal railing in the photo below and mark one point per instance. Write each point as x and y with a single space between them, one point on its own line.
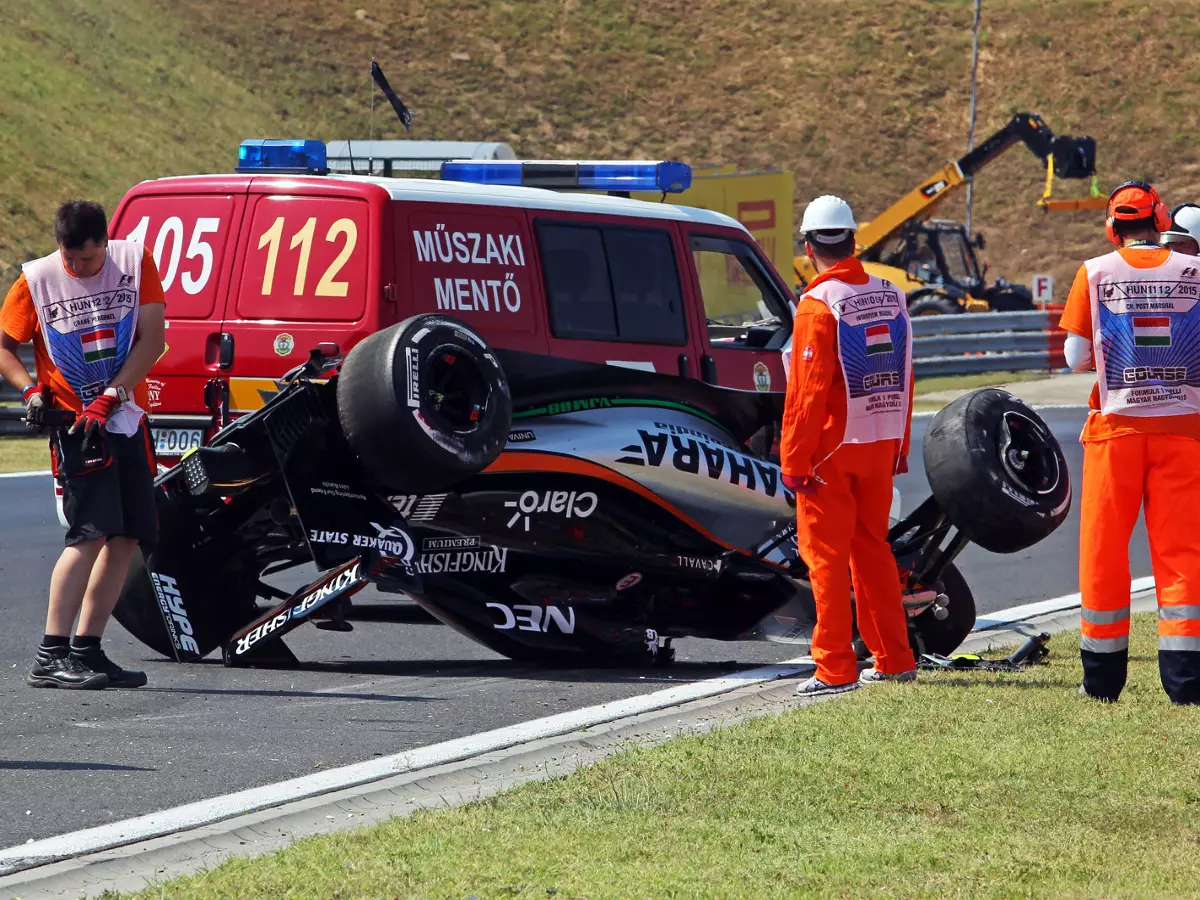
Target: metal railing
988 342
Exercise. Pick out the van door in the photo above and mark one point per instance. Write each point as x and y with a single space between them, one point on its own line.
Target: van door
191 237
472 263
613 292
310 270
747 312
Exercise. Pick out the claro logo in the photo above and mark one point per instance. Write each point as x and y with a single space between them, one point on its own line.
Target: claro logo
534 618
171 602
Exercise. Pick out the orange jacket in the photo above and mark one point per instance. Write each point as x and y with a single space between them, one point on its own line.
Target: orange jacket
814 416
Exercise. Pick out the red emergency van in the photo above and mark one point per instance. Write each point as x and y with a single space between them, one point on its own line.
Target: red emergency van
261 265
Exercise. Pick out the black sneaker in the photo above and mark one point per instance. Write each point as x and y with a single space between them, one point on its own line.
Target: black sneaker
66 671
95 659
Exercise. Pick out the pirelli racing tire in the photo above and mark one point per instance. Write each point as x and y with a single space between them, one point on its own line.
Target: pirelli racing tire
212 592
943 636
997 471
424 404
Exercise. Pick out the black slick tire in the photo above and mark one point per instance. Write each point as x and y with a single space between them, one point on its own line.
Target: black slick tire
943 636
997 471
424 404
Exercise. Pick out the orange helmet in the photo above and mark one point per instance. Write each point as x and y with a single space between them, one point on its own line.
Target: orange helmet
1135 200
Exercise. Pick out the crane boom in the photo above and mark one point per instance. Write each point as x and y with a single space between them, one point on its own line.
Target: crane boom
1070 157
921 202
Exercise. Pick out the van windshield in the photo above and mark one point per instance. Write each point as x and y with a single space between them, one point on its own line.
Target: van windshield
737 291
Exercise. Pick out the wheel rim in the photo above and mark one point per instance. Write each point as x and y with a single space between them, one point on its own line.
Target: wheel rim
454 390
1028 455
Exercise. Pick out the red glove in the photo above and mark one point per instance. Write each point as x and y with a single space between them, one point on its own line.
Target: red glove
96 413
803 484
901 467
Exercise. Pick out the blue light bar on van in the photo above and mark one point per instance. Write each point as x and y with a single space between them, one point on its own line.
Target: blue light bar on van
671 177
291 157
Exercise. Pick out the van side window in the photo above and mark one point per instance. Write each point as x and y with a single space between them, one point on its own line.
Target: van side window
577 282
612 283
737 292
645 284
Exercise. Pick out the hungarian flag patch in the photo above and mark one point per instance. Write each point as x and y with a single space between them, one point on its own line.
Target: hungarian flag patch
879 339
1152 331
99 345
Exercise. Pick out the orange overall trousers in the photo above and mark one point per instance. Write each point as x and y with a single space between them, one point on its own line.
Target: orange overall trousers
842 526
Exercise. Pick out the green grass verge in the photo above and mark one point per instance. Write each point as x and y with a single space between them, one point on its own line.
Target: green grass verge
23 454
961 785
970 382
938 383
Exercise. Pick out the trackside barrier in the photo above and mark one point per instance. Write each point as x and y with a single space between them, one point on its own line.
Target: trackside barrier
988 342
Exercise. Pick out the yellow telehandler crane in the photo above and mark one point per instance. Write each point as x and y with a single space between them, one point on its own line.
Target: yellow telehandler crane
933 260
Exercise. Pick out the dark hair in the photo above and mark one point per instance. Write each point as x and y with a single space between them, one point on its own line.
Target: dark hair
1125 228
838 251
80 221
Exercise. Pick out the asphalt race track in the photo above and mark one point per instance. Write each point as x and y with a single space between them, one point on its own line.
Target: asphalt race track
70 760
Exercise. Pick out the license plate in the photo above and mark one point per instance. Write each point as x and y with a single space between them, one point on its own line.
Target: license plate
176 441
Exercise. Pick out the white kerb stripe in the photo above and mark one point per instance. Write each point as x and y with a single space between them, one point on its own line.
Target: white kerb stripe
1043 607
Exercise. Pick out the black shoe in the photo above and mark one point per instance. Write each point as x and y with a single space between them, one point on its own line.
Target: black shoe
65 671
95 659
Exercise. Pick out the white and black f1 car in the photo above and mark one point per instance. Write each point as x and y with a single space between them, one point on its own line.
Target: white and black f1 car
553 510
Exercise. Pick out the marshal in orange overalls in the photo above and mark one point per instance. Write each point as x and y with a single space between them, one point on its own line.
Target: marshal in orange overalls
1141 443
844 441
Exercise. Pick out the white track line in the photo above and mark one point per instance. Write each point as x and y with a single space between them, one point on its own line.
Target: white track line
205 812
1003 617
24 474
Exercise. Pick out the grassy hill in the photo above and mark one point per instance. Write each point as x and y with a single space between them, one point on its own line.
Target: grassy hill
857 97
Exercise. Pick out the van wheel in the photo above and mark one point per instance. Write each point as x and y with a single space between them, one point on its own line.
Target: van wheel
424 404
997 471
216 593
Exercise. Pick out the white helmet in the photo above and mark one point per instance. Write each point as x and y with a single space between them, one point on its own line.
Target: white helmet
828 214
1185 223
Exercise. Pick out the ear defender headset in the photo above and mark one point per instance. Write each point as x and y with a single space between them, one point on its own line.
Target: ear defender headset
1144 207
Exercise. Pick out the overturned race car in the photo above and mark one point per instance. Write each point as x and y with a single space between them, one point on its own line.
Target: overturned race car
556 511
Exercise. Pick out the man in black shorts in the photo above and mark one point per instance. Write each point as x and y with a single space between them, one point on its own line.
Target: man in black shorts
94 310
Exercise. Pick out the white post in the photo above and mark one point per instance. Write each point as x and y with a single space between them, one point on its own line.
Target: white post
971 131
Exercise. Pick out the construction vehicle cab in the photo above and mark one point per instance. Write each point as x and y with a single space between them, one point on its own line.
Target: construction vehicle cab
933 260
934 263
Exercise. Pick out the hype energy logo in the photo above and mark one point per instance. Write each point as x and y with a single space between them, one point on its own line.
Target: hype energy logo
166 589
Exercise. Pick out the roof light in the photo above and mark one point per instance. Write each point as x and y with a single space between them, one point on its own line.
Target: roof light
671 177
290 157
